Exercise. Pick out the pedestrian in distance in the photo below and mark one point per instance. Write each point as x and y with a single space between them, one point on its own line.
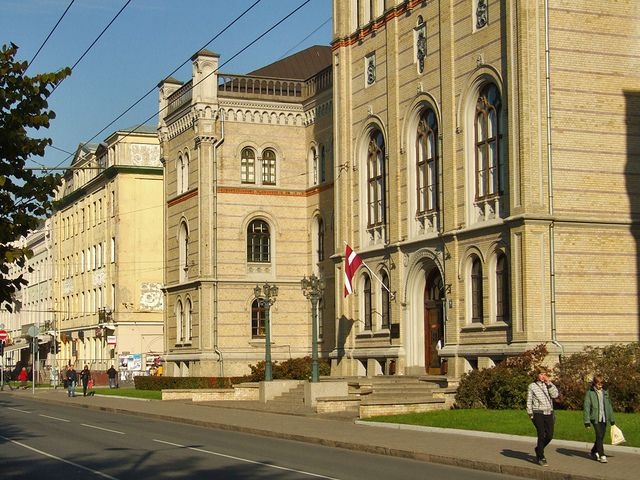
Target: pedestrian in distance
85 376
112 373
23 377
540 395
598 411
72 378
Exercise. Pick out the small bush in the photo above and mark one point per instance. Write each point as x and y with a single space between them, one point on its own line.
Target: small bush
292 369
618 363
503 386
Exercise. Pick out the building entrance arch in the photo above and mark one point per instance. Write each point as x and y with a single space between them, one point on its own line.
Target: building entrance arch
433 322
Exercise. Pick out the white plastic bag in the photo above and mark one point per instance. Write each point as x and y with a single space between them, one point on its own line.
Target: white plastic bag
617 437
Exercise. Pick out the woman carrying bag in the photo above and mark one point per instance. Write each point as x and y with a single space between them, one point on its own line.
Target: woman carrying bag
597 411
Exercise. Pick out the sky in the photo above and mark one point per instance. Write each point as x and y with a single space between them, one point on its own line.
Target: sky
147 42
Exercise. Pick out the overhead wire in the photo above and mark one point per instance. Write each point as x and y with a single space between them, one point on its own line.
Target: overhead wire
49 36
95 41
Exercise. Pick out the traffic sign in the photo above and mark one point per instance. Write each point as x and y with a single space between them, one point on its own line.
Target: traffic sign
3 334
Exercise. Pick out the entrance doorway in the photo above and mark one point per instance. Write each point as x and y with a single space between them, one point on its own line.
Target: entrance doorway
433 323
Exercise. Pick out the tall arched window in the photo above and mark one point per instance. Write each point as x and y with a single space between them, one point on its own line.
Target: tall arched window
257 319
488 143
386 301
477 313
188 322
248 166
376 180
320 239
268 167
183 252
182 172
427 164
323 164
179 322
313 159
368 309
502 289
258 242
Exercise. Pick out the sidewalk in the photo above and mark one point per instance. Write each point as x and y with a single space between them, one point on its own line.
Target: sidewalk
477 450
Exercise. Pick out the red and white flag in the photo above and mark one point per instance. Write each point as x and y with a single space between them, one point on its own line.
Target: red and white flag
351 263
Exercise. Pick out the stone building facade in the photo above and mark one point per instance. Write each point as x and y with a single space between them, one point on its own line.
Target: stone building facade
486 162
248 201
107 250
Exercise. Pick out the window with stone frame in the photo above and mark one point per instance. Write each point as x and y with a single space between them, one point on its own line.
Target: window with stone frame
182 173
257 319
268 167
258 242
179 322
386 301
183 251
323 164
248 166
313 159
502 289
320 239
376 180
488 143
367 299
427 164
188 322
477 312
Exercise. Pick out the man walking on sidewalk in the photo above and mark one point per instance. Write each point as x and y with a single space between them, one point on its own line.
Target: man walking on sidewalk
540 395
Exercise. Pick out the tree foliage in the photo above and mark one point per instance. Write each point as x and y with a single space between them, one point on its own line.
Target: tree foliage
25 198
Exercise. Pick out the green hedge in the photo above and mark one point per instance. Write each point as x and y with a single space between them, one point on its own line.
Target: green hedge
168 383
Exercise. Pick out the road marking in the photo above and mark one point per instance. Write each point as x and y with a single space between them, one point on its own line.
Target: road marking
101 428
54 418
19 410
246 460
24 445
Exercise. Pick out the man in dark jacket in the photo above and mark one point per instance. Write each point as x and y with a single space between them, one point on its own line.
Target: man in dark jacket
72 378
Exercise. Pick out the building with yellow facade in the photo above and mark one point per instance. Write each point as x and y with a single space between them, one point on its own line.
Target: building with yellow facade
248 201
108 253
486 166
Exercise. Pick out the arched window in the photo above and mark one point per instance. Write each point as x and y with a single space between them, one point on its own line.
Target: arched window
427 163
368 311
257 319
488 143
182 172
386 301
502 289
313 159
320 239
188 322
183 251
477 314
268 167
179 322
258 242
248 166
376 180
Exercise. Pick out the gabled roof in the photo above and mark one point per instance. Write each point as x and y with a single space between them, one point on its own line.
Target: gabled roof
299 66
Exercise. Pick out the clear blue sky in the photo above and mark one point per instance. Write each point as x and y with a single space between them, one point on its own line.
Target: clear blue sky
147 41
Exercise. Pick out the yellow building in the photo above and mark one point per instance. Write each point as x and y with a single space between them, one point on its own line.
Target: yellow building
248 201
486 160
107 233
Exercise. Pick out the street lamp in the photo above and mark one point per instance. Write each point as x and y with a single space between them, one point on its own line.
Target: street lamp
266 296
312 288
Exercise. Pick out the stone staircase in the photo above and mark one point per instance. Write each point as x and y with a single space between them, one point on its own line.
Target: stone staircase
383 395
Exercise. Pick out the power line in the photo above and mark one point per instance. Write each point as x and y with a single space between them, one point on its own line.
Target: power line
94 42
49 36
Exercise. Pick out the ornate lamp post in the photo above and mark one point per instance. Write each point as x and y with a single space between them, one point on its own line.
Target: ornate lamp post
266 296
312 288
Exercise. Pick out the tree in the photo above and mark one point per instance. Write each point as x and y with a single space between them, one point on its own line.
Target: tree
25 198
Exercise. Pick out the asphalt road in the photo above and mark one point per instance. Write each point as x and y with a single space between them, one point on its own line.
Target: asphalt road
52 442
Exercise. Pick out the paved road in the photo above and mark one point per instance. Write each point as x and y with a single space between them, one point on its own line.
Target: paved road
478 451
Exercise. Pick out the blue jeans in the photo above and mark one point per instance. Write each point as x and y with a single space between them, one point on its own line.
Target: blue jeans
600 428
71 389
